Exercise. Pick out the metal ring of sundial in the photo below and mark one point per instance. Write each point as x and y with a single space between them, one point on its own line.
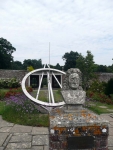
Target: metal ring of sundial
50 92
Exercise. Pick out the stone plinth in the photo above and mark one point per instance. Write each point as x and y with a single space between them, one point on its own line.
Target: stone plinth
65 126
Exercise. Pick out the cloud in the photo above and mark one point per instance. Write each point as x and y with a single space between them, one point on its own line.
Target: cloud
77 25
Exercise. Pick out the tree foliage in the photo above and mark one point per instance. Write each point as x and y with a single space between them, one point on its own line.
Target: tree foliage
6 50
86 66
30 68
17 65
103 68
58 67
36 64
70 60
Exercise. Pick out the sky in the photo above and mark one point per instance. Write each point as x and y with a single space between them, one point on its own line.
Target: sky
68 25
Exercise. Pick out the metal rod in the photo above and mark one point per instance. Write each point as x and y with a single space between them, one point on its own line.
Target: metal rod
48 88
49 53
40 84
52 97
48 66
56 79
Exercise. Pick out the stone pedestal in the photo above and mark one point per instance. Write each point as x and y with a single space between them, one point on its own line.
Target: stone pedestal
73 127
69 130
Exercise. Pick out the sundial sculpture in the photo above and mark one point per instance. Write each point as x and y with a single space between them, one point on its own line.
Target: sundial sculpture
44 71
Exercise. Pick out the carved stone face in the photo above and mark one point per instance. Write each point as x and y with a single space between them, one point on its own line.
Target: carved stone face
74 81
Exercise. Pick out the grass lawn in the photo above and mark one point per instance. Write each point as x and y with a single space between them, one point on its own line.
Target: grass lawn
43 95
2 107
31 119
100 108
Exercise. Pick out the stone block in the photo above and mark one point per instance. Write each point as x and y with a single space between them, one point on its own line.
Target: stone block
110 141
5 129
21 129
3 137
40 130
38 148
40 140
21 138
22 145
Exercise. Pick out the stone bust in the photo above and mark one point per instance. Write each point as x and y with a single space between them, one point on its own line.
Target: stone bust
72 90
74 81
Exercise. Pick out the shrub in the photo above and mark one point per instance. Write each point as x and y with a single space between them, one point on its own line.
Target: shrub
9 83
98 87
109 87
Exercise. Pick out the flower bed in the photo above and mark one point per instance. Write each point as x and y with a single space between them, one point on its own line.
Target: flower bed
101 97
17 91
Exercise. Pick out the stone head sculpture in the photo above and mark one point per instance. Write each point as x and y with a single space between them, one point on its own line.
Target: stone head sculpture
72 79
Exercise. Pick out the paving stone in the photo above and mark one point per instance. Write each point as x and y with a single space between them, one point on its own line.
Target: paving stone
111 123
46 147
18 149
21 128
5 129
106 117
103 107
21 138
37 148
21 133
110 110
110 141
40 130
21 145
4 123
111 131
3 137
7 140
110 148
40 140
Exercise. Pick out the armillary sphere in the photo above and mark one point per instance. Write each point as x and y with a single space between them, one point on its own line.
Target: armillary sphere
44 71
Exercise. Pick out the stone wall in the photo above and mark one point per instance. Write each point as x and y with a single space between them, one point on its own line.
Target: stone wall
18 74
104 76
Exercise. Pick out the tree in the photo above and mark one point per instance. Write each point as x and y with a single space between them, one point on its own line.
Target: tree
102 68
86 66
17 65
70 60
58 67
6 50
36 64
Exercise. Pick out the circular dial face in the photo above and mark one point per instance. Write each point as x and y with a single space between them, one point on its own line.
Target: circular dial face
36 100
